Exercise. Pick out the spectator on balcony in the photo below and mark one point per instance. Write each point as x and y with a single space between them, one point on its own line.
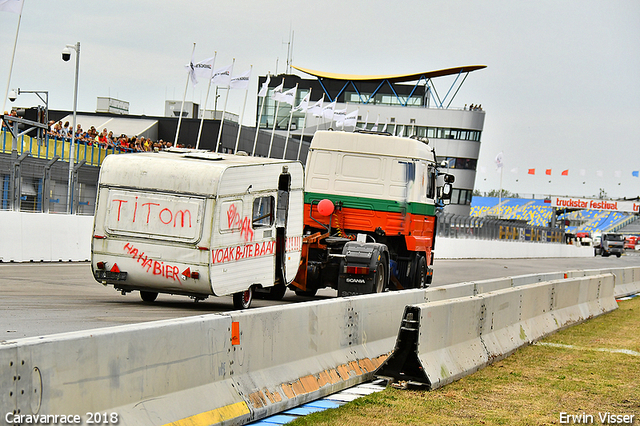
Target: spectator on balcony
66 131
57 130
102 139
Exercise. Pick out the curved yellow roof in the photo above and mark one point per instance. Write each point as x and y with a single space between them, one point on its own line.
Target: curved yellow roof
392 78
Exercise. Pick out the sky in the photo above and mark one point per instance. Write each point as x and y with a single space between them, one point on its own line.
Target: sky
561 90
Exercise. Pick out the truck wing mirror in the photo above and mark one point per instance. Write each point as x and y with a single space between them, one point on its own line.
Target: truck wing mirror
445 191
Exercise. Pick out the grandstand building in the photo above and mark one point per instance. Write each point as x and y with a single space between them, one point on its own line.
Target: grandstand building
539 212
404 105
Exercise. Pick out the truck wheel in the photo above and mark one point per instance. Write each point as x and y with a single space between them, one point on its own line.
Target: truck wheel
618 254
307 293
243 299
379 279
148 296
276 292
421 274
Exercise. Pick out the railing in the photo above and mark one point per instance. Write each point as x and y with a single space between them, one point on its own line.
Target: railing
48 148
455 226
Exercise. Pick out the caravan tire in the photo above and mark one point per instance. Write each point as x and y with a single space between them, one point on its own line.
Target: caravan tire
148 296
243 299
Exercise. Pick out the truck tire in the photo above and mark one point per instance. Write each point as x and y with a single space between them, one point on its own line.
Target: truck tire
276 292
243 299
306 293
379 279
148 296
421 274
618 254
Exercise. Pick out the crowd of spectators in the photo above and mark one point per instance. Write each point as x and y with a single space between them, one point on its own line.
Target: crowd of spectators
106 139
473 107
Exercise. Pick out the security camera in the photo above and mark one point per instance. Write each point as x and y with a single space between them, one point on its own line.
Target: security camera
66 54
13 95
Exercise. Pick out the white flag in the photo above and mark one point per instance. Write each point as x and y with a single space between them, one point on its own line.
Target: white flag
338 116
375 126
200 69
304 104
277 92
351 119
289 96
366 121
265 87
222 76
13 6
499 161
240 81
327 111
316 109
384 129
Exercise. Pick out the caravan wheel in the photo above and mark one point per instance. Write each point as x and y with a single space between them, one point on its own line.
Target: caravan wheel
148 296
243 299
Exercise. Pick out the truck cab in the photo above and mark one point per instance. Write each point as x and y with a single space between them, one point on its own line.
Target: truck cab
369 213
610 244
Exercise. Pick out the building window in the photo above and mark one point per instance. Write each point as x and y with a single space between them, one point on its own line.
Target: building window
459 163
461 196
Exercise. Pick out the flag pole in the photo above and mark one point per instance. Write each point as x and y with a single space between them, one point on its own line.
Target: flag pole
273 131
286 141
255 140
244 104
275 121
206 99
13 55
186 86
224 109
304 124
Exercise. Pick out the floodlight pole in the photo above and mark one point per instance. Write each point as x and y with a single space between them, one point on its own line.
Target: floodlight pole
75 47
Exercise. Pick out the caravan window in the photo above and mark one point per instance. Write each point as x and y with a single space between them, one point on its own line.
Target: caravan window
263 212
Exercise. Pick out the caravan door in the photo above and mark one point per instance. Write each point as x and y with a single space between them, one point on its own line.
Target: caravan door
243 243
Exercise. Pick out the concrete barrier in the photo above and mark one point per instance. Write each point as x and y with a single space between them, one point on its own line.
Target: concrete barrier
246 365
443 341
627 279
459 248
41 237
54 237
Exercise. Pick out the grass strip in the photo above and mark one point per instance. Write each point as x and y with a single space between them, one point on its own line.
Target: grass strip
531 387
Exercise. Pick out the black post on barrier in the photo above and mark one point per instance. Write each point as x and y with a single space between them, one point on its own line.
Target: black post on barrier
74 187
46 184
16 179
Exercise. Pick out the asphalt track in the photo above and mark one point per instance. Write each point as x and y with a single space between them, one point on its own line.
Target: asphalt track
47 298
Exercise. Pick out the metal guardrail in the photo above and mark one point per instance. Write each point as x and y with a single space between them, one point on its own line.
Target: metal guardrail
455 226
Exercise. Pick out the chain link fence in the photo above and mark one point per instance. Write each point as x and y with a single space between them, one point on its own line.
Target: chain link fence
455 226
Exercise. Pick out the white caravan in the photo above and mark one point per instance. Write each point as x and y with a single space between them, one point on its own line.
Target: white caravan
198 223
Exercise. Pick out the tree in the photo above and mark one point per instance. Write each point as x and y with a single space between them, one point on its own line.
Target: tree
602 194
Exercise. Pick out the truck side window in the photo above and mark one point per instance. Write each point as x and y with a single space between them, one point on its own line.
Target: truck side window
263 212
